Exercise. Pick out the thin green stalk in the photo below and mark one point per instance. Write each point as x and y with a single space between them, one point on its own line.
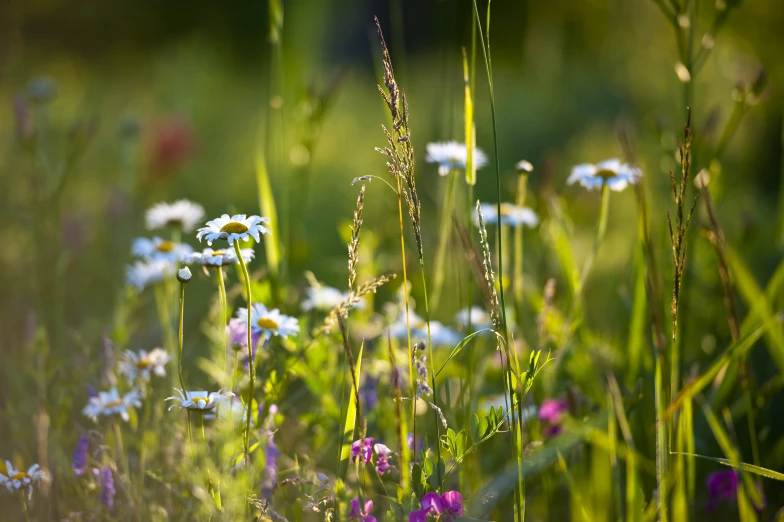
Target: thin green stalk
251 365
443 237
182 314
24 505
518 249
601 230
520 495
222 323
662 446
122 456
164 319
432 377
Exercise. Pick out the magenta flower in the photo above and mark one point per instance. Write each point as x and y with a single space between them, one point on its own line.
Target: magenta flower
433 504
454 502
363 515
722 486
362 449
448 504
382 463
419 515
551 415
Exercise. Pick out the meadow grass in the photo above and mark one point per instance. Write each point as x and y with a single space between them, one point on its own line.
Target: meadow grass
295 400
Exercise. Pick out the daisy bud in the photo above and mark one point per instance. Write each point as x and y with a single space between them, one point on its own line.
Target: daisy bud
524 166
184 275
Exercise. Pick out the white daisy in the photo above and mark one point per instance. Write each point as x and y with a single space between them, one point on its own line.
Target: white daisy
452 155
143 364
198 400
111 403
479 318
617 175
16 480
183 214
325 298
160 249
511 215
237 227
269 322
210 257
145 273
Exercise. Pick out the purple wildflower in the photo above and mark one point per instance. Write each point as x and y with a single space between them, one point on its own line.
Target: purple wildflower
368 392
722 486
270 468
363 515
107 488
551 415
382 463
237 333
362 449
448 504
79 462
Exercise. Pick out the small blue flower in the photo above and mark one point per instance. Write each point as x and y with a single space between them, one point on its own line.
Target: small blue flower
79 462
107 488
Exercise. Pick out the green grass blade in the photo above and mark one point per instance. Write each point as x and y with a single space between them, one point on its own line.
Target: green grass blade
268 209
759 303
351 417
456 350
742 466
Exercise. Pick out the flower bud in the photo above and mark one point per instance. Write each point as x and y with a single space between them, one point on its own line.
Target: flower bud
184 275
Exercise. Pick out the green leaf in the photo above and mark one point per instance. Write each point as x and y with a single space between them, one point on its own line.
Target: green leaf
268 209
456 350
750 468
351 416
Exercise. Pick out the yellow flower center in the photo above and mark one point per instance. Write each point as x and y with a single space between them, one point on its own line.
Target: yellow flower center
19 476
201 400
606 173
143 364
114 404
218 253
232 227
267 323
166 246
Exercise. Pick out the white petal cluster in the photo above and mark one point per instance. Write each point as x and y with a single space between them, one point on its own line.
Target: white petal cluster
15 480
112 403
142 365
201 401
210 257
233 228
616 174
451 155
183 214
269 322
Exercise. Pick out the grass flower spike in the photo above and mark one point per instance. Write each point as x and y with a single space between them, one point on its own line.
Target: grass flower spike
237 227
613 172
200 401
450 155
142 365
181 214
111 403
157 249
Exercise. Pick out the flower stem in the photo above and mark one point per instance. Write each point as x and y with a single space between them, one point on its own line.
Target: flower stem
406 473
251 365
443 238
24 505
222 323
182 314
518 249
604 212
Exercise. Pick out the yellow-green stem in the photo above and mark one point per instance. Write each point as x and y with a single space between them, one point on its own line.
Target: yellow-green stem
180 337
222 322
443 238
518 249
406 473
251 366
